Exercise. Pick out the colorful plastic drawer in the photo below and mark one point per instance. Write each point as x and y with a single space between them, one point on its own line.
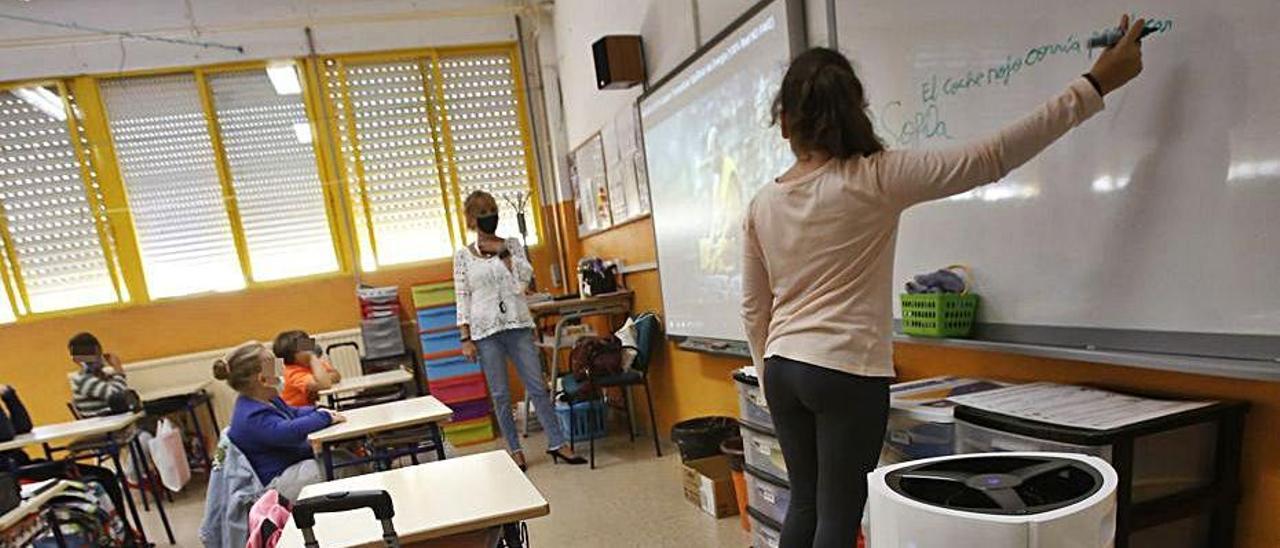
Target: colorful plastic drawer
437 294
471 410
469 432
444 341
455 366
459 389
437 319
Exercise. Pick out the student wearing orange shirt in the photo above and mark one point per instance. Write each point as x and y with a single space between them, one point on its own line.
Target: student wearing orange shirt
306 373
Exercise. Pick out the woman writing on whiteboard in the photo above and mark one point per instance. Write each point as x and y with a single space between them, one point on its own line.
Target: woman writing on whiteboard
490 277
818 266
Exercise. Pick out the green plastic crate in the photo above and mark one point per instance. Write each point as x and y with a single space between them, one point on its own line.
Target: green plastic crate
938 314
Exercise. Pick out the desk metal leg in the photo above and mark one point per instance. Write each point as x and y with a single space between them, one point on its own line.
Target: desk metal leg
155 489
114 453
204 444
327 449
213 417
438 440
513 535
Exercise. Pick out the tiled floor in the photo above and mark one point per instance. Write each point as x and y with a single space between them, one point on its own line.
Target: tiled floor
632 498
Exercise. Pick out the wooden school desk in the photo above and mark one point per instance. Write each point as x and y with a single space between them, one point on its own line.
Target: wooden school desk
432 501
385 417
33 505
115 432
365 382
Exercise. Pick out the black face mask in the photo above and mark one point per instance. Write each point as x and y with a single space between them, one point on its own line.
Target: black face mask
487 224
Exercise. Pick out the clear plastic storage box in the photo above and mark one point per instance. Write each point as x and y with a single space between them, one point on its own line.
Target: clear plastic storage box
767 495
921 420
752 407
762 451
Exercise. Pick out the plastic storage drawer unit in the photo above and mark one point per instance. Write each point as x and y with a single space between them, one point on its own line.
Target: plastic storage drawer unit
470 432
442 318
767 495
762 451
921 420
459 389
471 410
437 294
763 533
438 343
752 407
454 366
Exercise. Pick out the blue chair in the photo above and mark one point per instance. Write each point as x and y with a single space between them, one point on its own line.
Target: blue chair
648 330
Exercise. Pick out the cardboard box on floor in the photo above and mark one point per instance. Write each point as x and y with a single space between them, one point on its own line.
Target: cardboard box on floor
709 486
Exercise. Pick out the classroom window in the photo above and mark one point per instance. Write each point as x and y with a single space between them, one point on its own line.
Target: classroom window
416 135
391 160
483 114
166 159
269 146
56 251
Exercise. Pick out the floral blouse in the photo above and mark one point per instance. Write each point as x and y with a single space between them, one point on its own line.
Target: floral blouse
490 296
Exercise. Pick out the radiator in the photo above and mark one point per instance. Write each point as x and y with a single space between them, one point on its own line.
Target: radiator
171 371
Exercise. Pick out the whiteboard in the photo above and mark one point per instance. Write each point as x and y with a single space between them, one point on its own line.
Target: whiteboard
1161 214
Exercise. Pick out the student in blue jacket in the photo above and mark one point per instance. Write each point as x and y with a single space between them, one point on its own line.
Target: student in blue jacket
271 433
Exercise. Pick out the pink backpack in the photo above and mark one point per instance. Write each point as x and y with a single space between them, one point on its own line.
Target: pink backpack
267 519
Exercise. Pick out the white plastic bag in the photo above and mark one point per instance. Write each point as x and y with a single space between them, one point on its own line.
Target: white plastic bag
170 457
627 336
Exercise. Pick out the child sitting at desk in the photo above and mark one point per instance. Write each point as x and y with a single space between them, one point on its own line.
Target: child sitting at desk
306 373
99 387
271 433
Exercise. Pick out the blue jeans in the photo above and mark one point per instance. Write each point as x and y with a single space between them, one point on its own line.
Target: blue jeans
517 344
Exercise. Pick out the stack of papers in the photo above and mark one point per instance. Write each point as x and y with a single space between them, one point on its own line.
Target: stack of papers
1076 406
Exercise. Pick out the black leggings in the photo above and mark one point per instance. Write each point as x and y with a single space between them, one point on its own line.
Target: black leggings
830 426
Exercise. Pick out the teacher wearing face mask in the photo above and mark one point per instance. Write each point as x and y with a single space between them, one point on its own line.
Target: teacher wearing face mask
490 276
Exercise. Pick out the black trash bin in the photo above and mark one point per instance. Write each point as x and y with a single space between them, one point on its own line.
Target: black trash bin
701 437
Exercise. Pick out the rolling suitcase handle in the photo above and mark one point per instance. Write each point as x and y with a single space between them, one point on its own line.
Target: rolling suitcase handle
304 512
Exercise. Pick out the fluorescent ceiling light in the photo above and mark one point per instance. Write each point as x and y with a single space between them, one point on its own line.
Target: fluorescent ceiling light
303 131
44 100
284 78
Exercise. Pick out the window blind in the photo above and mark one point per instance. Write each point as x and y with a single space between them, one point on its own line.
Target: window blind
267 139
488 139
167 165
60 260
390 160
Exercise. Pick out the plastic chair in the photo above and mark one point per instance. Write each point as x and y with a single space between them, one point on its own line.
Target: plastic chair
648 327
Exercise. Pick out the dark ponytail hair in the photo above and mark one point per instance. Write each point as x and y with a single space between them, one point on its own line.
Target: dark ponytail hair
824 108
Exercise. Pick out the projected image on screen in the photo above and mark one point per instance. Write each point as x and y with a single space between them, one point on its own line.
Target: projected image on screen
709 147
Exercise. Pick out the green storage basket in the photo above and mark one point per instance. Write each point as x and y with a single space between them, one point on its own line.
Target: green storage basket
941 314
938 314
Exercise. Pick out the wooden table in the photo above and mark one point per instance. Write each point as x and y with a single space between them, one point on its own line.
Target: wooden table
617 303
432 501
196 396
365 382
115 432
384 417
33 505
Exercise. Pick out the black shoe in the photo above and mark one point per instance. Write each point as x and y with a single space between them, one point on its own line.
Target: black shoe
557 456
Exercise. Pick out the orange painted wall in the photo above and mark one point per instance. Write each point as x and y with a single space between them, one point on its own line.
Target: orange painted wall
35 360
688 384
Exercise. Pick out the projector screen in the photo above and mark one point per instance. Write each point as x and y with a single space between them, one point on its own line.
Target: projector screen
709 145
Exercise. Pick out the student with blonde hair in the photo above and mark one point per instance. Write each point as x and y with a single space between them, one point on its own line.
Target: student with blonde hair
271 433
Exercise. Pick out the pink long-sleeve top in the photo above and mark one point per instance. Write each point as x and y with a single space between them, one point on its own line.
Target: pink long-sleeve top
818 249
